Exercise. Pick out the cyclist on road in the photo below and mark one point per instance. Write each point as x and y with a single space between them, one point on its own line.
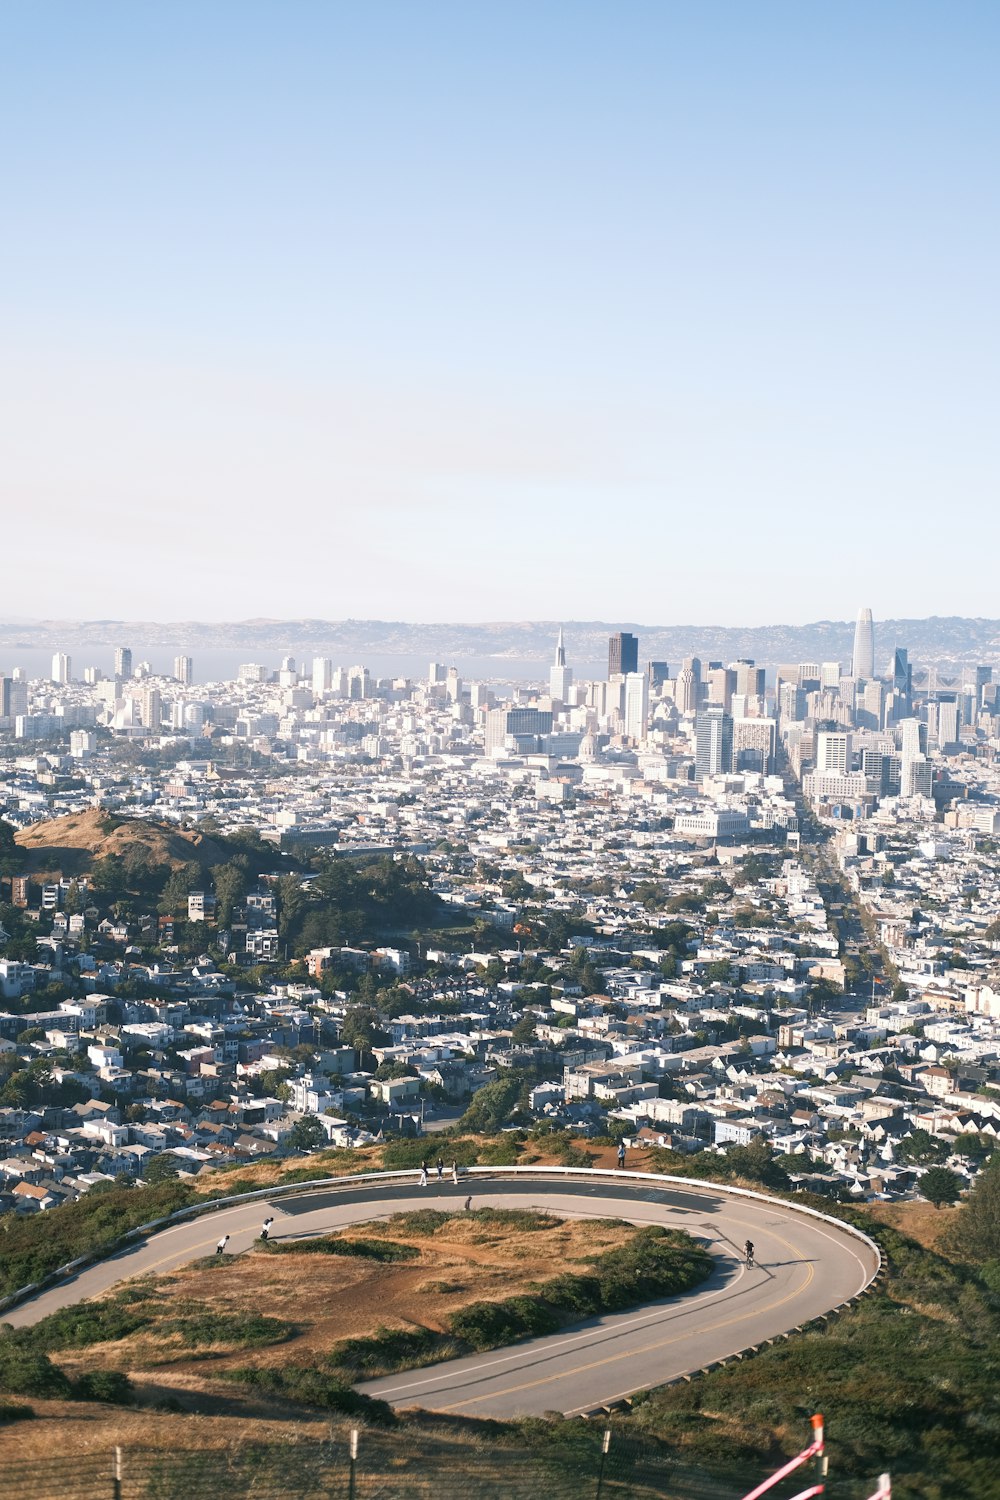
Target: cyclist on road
748 1252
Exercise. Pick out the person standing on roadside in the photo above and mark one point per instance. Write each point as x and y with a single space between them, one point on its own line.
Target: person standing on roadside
454 1173
265 1232
440 1167
423 1174
621 1155
220 1248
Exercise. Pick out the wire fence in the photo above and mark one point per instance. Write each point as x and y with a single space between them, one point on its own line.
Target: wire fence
386 1468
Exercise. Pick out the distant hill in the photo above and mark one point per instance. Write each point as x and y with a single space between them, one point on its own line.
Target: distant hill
940 640
69 846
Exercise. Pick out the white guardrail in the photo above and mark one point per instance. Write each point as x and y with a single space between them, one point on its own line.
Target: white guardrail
364 1179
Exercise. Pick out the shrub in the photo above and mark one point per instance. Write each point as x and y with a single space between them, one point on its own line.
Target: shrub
313 1387
247 1330
14 1411
389 1349
86 1323
104 1385
518 1220
422 1221
25 1372
488 1325
384 1250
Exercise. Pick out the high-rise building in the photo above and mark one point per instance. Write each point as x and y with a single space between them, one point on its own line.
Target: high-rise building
753 745
636 705
791 703
123 662
659 673
686 691
901 682
721 684
623 654
437 672
322 675
151 708
863 658
713 755
516 729
13 699
560 675
749 678
912 738
183 670
62 667
833 751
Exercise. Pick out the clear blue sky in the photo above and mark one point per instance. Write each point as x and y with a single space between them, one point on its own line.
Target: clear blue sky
671 312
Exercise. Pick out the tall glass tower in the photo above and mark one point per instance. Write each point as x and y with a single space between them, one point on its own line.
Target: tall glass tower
863 661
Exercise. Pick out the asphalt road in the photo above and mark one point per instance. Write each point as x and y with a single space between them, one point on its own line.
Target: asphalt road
804 1268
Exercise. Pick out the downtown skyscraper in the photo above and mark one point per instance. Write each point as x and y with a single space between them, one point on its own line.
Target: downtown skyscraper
863 660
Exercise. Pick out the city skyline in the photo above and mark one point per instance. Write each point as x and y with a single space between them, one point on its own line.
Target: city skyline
404 306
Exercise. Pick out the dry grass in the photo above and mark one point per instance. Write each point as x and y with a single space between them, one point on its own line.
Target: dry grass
920 1221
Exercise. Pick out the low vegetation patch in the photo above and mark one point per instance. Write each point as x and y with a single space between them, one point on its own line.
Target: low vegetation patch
382 1250
240 1330
310 1386
29 1372
391 1349
86 1323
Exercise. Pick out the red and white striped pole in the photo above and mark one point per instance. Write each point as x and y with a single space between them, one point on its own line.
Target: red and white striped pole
815 1448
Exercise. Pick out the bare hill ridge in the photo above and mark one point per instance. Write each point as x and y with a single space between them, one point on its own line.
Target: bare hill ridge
69 846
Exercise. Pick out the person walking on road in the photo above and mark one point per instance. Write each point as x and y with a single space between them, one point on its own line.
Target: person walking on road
220 1248
423 1174
265 1232
621 1155
468 1203
440 1167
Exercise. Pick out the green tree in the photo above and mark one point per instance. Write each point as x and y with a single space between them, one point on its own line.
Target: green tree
361 1029
173 897
232 881
923 1149
12 856
161 1168
973 1145
492 1105
524 1031
306 1134
940 1185
977 1232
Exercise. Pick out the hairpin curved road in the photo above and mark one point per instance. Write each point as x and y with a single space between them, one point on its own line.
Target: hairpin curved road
805 1265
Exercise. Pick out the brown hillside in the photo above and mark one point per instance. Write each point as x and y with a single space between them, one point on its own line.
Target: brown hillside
69 846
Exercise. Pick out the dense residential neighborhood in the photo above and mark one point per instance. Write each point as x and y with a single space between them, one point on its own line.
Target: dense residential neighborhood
694 911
